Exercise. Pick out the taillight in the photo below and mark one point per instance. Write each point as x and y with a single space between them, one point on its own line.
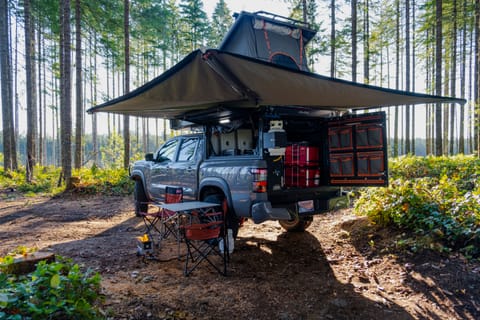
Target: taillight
259 183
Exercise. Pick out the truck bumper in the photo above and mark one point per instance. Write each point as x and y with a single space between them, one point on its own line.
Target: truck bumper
263 211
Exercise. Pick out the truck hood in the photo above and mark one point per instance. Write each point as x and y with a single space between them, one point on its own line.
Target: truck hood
217 79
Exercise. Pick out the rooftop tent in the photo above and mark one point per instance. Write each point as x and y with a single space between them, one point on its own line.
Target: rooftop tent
269 37
218 80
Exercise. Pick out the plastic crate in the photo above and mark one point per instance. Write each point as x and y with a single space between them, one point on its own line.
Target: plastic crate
301 177
302 155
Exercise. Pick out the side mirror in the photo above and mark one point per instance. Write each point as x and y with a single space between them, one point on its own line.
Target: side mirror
149 157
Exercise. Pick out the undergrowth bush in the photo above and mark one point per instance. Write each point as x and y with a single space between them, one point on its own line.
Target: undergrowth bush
56 290
91 180
436 197
45 180
105 181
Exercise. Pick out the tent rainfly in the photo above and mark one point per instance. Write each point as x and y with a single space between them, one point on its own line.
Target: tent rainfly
216 79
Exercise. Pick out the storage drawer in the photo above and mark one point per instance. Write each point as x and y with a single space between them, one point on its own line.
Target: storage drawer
369 136
370 164
341 165
340 138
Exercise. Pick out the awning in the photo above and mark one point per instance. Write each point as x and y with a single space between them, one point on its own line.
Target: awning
216 79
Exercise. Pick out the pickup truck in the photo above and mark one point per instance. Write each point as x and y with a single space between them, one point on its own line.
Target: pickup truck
285 164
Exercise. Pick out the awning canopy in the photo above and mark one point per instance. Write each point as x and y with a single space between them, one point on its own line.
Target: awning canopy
217 79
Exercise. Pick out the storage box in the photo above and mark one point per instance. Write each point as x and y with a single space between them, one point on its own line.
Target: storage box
369 136
341 165
340 138
302 155
370 164
302 177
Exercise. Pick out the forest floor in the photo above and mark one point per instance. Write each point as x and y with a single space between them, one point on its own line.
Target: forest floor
341 268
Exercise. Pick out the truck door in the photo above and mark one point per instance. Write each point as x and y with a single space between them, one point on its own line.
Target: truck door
161 170
184 170
357 150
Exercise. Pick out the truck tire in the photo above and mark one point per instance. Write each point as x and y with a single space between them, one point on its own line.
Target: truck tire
232 219
298 224
140 198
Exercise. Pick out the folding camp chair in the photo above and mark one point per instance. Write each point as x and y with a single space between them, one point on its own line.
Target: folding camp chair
160 221
202 238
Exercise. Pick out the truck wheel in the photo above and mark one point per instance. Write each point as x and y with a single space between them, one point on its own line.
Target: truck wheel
297 224
232 219
140 198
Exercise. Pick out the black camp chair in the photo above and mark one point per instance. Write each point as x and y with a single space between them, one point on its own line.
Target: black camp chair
205 240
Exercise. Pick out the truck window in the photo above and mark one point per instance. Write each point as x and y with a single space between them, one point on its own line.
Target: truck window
167 151
187 149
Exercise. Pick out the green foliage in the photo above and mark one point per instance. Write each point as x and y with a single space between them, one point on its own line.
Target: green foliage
194 23
460 166
104 181
45 180
93 180
57 290
222 20
436 197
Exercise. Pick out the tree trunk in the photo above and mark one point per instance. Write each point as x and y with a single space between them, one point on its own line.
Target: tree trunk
438 79
407 75
354 40
477 79
397 77
461 124
9 144
428 111
445 110
413 74
164 130
126 119
78 87
41 114
144 135
16 104
453 78
366 44
332 39
31 91
65 90
93 94
471 94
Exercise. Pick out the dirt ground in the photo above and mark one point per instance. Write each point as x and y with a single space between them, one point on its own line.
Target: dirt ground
341 268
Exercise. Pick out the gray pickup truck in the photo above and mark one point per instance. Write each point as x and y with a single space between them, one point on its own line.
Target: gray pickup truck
274 164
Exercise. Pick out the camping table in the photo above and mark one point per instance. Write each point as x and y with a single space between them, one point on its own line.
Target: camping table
186 210
188 207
